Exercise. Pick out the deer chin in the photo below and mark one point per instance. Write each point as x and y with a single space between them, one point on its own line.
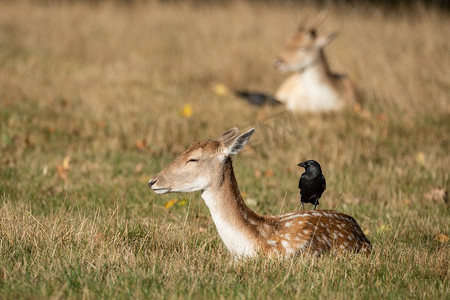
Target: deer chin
282 68
161 190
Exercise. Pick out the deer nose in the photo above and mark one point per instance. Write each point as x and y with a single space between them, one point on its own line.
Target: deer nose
151 182
278 63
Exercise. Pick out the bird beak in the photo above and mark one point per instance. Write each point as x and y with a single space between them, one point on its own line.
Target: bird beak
302 165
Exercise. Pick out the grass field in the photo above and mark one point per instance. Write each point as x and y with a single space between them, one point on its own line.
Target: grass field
91 101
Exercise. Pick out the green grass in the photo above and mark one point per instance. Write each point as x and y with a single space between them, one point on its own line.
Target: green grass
104 85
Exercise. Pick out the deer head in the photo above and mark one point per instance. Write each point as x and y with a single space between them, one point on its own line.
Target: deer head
302 50
201 165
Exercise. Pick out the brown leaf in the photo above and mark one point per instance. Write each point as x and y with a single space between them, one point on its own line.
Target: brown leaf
61 172
269 173
141 144
441 238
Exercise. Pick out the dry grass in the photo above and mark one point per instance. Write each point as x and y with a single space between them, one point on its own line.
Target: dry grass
104 85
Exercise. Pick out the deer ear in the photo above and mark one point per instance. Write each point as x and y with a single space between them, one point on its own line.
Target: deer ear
324 40
236 144
233 132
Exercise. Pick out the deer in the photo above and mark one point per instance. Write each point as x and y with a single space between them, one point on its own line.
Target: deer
313 86
206 166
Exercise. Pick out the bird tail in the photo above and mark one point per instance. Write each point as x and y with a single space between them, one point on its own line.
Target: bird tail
257 99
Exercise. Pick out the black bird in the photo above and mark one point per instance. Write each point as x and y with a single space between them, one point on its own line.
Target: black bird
257 99
312 183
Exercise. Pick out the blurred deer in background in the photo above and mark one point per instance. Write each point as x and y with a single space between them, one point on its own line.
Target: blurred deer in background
206 166
313 87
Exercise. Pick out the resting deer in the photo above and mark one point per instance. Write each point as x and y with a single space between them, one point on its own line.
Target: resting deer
206 166
313 87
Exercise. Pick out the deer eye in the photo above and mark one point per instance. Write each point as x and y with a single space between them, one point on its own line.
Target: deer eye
192 160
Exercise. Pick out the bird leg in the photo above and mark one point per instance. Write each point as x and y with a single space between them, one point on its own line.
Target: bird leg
303 207
315 204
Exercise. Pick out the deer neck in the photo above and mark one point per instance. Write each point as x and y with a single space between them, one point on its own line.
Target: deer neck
319 70
235 222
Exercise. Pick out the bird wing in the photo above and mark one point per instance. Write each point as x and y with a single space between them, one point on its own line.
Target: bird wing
324 183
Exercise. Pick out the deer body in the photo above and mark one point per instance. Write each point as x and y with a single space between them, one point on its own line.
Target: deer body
208 167
313 87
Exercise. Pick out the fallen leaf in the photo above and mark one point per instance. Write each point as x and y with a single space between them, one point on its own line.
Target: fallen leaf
420 158
63 169
170 203
441 238
220 89
61 172
186 111
269 173
141 144
66 163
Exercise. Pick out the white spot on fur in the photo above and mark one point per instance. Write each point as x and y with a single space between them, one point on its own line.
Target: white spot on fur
271 242
287 247
291 217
